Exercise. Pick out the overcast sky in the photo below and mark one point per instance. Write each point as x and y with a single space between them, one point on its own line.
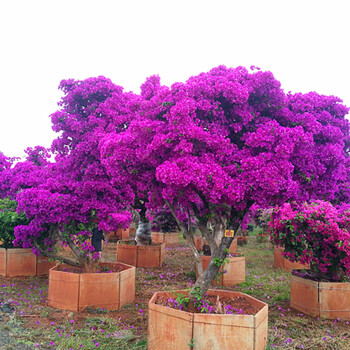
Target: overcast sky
304 43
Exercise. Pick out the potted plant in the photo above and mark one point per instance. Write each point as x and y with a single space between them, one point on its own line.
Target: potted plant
224 140
17 261
242 320
316 234
75 201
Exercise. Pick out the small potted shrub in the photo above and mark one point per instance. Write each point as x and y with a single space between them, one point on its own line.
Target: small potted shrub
16 261
316 234
82 280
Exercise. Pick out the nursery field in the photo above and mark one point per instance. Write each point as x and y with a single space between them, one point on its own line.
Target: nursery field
26 322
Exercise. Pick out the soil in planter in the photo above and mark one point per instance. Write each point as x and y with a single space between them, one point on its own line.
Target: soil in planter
101 269
130 242
314 276
214 305
133 242
208 253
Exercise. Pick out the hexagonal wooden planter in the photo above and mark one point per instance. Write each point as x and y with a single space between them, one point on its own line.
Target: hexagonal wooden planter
171 239
321 299
77 291
235 271
23 262
280 262
141 255
172 329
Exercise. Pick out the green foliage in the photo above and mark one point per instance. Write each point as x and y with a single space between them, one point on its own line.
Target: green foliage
197 293
181 299
9 219
218 262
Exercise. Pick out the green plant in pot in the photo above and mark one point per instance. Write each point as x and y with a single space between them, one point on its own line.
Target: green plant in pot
9 219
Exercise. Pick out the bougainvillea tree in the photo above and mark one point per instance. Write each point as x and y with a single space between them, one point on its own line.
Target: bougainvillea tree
76 191
215 145
316 234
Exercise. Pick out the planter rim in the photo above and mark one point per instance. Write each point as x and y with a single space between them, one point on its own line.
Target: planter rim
166 232
17 248
54 268
240 257
120 242
320 284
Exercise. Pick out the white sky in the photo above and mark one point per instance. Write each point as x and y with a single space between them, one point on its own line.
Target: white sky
305 43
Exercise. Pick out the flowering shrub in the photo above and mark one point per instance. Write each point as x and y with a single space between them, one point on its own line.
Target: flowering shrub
315 233
74 190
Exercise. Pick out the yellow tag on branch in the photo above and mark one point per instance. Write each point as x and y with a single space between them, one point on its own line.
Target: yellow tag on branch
229 233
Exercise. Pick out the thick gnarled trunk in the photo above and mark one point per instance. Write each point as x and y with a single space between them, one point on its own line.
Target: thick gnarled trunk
143 233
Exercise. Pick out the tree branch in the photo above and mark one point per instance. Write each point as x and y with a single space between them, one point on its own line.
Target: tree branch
188 235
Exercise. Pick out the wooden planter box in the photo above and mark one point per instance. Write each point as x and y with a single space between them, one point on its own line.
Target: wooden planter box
119 234
23 262
171 239
235 271
78 291
280 262
172 329
322 299
233 246
141 255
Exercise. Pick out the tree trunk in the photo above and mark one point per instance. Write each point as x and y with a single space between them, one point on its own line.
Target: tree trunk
218 253
188 235
143 233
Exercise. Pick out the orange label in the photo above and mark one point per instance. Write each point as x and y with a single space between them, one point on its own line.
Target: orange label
229 233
